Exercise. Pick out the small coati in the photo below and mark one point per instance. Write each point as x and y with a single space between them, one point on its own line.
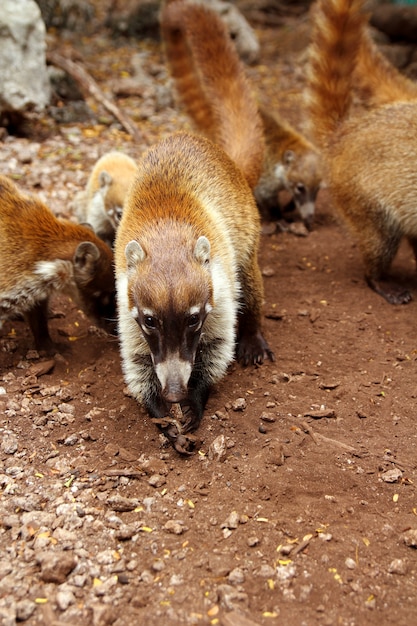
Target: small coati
292 163
211 83
188 283
371 155
107 187
40 255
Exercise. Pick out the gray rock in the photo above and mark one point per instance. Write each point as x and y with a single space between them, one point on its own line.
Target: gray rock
24 82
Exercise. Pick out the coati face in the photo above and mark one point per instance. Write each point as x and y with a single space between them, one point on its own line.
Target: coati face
302 180
94 278
112 200
170 303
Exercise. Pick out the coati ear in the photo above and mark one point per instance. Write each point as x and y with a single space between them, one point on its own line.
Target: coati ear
202 250
87 225
85 258
289 157
105 179
134 254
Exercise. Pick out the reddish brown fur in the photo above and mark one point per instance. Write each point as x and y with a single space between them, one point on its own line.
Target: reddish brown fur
371 156
218 96
378 82
211 83
30 233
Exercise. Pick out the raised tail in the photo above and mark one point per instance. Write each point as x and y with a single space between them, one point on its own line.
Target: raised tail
211 83
377 81
336 39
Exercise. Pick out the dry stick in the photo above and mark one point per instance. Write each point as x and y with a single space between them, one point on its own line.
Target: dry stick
89 85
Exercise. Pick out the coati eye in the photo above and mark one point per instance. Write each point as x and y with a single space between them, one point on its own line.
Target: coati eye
150 322
193 320
300 188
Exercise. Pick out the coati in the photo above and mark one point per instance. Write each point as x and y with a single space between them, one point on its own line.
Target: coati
107 187
371 155
188 283
41 255
211 83
291 163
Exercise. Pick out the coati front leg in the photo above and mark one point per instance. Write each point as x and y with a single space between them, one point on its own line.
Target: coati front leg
252 347
37 319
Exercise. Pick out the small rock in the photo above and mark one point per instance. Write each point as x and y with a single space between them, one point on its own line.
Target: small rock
253 541
9 444
232 521
392 475
398 566
175 527
121 504
64 598
239 404
350 563
55 566
217 449
24 610
236 576
156 480
410 538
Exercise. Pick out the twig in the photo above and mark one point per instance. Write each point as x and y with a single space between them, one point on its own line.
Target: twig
89 85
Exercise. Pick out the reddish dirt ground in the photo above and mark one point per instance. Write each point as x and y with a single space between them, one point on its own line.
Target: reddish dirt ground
286 514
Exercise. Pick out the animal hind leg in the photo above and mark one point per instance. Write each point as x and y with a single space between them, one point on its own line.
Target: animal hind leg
379 251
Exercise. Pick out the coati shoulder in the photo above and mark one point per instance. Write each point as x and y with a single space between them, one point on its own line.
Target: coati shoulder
41 255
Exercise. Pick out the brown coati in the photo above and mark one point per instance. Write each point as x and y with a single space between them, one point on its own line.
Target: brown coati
107 187
291 163
41 255
189 288
212 85
371 155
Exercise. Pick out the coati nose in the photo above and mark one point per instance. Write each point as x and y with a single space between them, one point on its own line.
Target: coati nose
174 392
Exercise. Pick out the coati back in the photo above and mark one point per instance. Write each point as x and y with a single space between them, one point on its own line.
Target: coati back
370 156
188 283
211 83
106 191
41 255
377 81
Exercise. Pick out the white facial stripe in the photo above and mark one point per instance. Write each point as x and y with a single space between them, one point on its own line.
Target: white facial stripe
134 312
194 310
173 372
306 210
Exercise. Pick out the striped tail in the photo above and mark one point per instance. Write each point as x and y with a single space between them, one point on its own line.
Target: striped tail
211 83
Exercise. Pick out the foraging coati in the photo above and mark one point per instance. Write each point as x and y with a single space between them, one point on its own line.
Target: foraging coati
371 155
291 163
188 283
105 193
211 83
40 255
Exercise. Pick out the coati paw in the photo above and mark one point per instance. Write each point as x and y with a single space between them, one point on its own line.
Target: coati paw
253 350
392 293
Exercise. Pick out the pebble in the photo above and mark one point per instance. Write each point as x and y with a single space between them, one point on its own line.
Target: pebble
239 404
156 480
236 576
175 527
350 563
55 566
410 538
398 566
